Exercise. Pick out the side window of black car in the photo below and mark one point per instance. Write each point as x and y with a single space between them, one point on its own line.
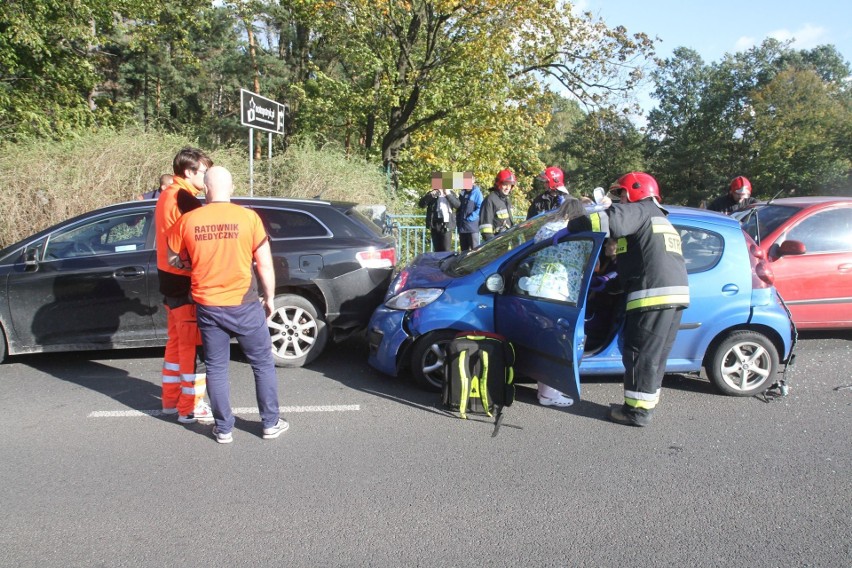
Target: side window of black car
290 224
121 233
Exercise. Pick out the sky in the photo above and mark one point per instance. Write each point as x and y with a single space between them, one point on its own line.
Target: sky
716 28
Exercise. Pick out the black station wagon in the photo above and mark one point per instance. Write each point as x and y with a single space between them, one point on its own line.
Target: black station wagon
91 282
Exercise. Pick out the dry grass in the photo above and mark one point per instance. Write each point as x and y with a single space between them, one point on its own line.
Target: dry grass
44 182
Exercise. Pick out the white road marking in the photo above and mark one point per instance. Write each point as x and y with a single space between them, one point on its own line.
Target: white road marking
242 410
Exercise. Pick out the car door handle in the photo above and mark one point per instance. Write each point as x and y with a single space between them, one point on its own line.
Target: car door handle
846 267
564 324
129 273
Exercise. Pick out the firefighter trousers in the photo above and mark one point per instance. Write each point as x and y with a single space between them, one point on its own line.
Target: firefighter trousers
648 340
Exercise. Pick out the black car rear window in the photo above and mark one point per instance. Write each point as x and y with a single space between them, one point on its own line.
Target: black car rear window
290 224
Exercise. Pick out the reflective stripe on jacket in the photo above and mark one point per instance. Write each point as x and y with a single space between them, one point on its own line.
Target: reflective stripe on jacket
651 266
496 213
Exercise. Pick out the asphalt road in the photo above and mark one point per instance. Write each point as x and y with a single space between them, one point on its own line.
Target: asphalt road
374 473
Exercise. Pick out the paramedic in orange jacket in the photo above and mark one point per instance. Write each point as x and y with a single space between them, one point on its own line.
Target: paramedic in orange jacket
219 242
184 375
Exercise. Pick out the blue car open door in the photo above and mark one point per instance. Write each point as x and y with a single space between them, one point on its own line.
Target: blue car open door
543 304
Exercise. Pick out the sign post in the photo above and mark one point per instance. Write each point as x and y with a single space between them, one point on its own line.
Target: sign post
263 114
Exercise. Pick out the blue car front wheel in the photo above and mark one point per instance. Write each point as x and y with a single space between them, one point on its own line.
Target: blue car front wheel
427 359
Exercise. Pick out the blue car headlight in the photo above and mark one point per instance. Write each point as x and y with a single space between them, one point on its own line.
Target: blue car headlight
414 298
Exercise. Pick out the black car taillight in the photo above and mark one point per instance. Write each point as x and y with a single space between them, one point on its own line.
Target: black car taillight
383 258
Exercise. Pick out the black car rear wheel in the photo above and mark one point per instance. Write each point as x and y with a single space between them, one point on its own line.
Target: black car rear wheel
3 350
427 359
299 331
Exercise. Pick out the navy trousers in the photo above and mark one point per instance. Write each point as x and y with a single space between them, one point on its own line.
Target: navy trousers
247 323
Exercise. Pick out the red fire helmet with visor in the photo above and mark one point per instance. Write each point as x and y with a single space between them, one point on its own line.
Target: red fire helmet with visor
741 187
505 176
555 179
638 186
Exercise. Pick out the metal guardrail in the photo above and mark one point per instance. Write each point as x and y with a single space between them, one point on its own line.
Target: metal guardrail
412 237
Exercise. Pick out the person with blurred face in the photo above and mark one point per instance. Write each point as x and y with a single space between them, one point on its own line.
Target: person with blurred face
441 204
467 216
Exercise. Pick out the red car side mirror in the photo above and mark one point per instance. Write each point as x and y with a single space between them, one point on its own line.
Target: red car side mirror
791 248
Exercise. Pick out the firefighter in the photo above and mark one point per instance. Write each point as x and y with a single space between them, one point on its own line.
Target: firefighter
551 183
738 197
495 215
652 273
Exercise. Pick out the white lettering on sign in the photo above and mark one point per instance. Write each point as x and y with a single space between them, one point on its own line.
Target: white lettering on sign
260 113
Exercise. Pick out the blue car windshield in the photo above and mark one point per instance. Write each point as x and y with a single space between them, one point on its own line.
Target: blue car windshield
764 219
473 260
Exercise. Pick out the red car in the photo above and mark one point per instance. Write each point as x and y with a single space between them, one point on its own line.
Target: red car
808 241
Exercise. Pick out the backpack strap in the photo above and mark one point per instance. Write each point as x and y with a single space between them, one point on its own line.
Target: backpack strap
464 377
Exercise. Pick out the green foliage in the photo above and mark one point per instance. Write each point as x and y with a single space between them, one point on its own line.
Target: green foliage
605 144
43 182
778 116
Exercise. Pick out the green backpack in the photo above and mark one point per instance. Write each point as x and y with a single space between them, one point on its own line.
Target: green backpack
479 375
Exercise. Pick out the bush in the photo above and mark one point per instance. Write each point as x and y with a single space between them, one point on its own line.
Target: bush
44 182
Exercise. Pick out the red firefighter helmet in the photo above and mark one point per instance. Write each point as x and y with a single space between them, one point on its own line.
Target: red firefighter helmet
638 185
505 176
555 179
741 187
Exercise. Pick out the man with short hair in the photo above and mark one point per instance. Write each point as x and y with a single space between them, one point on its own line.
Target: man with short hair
165 181
184 376
218 244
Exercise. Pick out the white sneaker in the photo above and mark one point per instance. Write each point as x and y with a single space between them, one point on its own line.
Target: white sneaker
563 401
222 438
277 430
201 414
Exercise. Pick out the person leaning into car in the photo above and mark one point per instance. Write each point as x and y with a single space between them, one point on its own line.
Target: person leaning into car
440 204
652 273
184 375
220 242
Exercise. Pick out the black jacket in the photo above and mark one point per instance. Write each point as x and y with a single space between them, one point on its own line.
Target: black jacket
651 268
727 204
495 215
434 221
547 201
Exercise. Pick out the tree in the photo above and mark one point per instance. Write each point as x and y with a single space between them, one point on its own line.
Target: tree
754 113
677 148
604 146
801 134
408 66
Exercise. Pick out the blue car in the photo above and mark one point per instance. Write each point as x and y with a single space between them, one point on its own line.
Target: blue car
736 327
